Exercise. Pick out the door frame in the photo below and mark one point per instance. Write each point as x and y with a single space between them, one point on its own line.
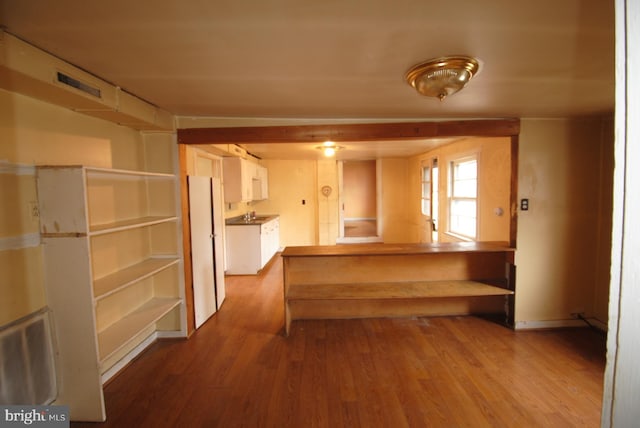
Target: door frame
207 304
341 239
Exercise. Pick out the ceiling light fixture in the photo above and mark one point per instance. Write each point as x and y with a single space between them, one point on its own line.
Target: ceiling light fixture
329 148
444 76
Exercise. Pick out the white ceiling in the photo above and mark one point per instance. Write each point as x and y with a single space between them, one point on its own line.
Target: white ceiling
333 59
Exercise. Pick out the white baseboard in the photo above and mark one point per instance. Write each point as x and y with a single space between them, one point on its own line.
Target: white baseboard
129 357
548 324
169 334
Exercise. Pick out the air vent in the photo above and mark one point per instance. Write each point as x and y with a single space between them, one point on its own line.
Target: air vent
27 370
75 83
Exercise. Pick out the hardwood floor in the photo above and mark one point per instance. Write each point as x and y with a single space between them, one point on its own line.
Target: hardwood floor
238 370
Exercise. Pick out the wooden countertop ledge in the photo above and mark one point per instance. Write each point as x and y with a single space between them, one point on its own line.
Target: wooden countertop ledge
394 249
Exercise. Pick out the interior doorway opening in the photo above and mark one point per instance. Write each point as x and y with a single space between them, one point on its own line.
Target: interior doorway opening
360 217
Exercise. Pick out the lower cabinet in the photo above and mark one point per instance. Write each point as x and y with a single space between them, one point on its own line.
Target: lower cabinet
250 246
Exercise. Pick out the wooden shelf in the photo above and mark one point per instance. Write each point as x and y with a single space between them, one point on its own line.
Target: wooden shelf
396 290
111 251
382 280
101 229
395 249
119 334
116 281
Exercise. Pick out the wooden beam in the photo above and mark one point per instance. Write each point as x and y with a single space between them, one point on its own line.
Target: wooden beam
354 132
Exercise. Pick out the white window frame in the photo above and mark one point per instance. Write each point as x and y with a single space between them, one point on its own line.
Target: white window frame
452 229
426 165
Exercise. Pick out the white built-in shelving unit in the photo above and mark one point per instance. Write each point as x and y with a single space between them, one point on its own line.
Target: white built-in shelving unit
112 265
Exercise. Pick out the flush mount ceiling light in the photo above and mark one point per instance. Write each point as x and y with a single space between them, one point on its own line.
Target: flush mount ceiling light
329 148
444 76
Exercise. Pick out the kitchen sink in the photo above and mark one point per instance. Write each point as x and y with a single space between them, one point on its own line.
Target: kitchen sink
259 219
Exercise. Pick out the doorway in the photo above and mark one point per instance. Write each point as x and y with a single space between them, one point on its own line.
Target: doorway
360 217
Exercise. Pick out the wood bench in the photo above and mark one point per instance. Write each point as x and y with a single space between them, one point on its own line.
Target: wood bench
392 280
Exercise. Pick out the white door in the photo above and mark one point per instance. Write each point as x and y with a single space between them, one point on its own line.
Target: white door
218 238
200 218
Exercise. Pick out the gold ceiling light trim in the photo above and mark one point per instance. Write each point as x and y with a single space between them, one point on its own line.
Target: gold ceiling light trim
442 77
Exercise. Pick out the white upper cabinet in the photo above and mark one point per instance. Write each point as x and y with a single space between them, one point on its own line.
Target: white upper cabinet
261 184
244 181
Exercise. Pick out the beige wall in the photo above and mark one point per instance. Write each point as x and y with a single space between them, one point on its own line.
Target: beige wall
291 182
565 169
604 222
317 222
395 197
359 189
563 240
32 133
328 214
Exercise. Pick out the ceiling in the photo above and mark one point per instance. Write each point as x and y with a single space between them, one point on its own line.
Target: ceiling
333 59
350 150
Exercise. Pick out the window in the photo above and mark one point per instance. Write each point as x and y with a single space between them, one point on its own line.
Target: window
463 199
426 190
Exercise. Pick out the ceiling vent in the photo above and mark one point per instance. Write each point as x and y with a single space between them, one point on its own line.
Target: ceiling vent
81 86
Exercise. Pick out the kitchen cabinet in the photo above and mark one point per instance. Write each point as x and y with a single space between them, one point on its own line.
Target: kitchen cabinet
244 181
261 184
251 244
113 273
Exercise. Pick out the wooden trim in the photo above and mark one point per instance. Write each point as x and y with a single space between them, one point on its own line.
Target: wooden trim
513 225
511 299
186 240
352 132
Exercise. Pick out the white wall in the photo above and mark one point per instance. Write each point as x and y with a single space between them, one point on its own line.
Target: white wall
622 377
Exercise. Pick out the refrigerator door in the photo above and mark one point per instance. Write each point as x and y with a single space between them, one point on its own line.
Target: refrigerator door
201 220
